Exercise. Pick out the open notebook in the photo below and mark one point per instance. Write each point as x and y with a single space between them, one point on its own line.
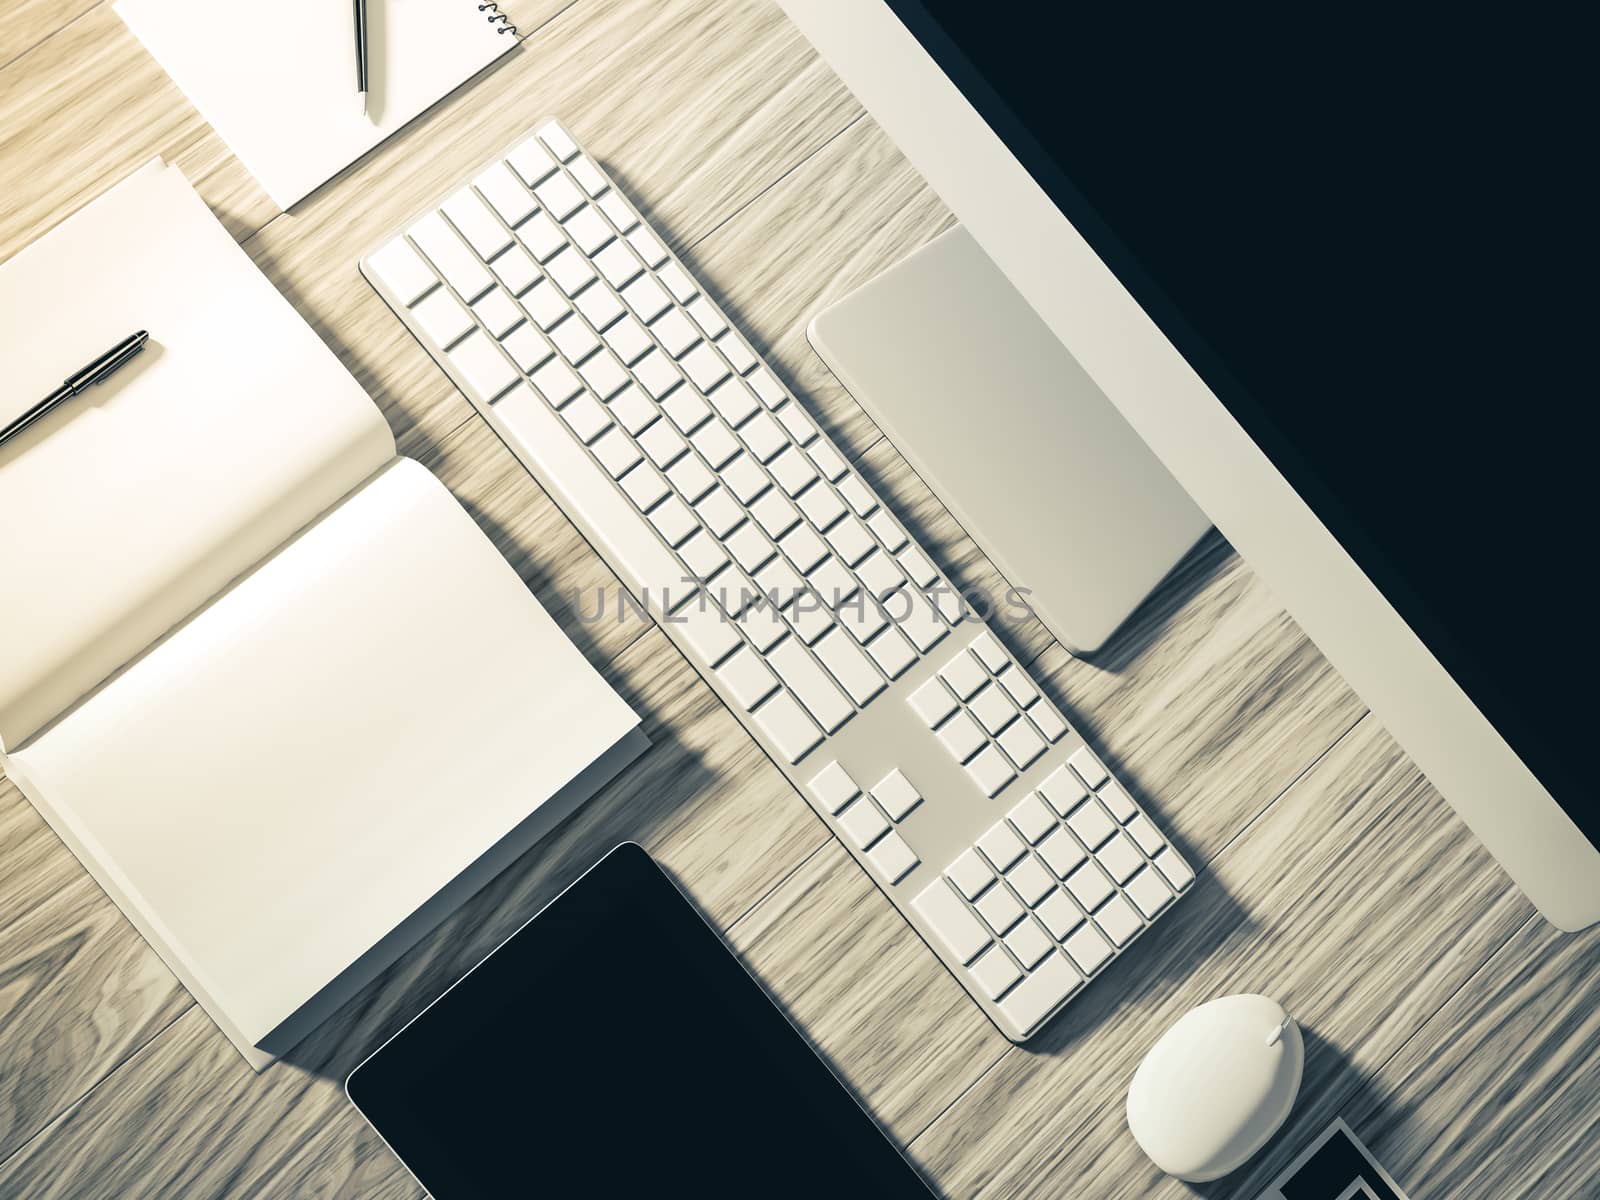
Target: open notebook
270 682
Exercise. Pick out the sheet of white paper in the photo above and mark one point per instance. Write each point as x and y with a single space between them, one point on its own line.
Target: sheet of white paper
278 81
134 503
311 758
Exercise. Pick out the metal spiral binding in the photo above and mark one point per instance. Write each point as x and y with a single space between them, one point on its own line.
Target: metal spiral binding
505 22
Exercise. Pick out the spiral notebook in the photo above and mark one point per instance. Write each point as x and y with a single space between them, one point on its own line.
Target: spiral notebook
277 80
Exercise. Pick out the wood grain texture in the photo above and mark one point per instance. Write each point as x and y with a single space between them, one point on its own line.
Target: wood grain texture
1444 1023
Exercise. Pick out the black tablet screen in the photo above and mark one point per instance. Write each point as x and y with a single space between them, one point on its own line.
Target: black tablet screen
614 1047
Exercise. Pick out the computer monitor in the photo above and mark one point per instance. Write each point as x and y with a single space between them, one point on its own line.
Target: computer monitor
1292 260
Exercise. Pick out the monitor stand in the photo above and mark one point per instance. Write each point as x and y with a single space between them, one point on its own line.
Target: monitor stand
1012 435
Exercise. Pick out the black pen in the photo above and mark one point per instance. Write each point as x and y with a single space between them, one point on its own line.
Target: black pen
95 372
361 53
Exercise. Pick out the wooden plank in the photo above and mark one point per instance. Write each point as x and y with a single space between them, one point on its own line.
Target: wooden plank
744 101
1336 901
704 800
29 22
1499 1094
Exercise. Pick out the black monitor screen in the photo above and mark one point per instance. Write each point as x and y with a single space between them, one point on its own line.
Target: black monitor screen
1368 230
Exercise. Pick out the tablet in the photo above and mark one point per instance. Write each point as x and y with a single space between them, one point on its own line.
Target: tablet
613 1046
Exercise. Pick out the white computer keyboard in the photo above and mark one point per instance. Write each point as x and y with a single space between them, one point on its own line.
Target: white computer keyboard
782 576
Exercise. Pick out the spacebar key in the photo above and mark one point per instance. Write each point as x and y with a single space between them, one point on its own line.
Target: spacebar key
627 542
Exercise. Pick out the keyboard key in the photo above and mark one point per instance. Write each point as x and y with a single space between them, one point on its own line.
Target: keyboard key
999 908
615 452
1050 725
619 264
969 873
1177 871
702 555
401 269
737 352
895 795
1090 823
832 582
587 418
917 566
588 229
1088 767
1063 790
505 195
1022 744
801 428
1144 833
545 304
705 367
716 445
893 857
701 625
792 470
988 651
516 270
1119 920
849 666
485 371
1116 799
556 138
706 316
1028 943
774 512
892 653
527 346
849 538
1030 881
691 477
531 161
648 246
556 382
719 511
820 505
559 196
1001 846
828 461
1059 914
672 518
1088 948
919 622
689 412
1089 886
443 318
587 175
810 683
657 374
570 271
635 411
675 332
542 236
1062 852
676 282
932 702
964 674
1120 858
574 339
832 785
804 548
644 485
762 435
887 532
862 823
598 306
962 934
1149 891
748 546
768 388
961 736
498 313
450 257
1037 995
1018 685
1031 818
604 374
473 220
663 444
732 398
879 573
616 208
992 708
990 771
856 495
994 972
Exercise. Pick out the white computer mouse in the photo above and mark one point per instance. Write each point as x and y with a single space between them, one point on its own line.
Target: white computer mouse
1216 1086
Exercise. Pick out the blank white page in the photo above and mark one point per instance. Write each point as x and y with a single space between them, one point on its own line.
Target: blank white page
301 766
277 81
134 503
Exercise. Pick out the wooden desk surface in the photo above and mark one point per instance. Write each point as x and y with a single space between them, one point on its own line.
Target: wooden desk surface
1457 1032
